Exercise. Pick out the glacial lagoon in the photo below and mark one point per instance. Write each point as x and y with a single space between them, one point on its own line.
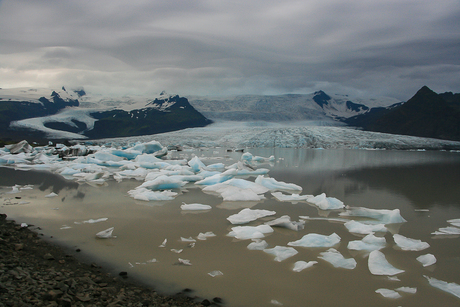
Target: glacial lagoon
409 201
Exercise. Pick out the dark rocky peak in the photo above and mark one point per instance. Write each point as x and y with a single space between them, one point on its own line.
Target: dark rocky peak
321 98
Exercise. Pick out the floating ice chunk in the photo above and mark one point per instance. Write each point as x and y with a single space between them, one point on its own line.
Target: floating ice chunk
185 261
105 234
326 203
378 265
360 228
215 273
151 147
258 244
285 221
205 236
189 239
293 197
411 290
138 174
52 194
105 157
65 227
14 189
247 215
218 178
408 244
250 232
164 243
153 260
163 183
272 184
196 164
316 240
216 166
275 302
177 251
383 216
238 190
427 260
148 195
368 243
302 265
450 230
185 206
93 221
388 293
454 222
281 252
247 156
451 288
335 258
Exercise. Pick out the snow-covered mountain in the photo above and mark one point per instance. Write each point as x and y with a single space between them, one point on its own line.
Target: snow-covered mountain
290 107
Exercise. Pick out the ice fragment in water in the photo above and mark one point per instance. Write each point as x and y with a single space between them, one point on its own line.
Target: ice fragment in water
234 193
185 206
196 164
447 231
23 225
335 258
258 244
272 184
219 178
281 252
316 240
93 221
247 215
163 183
189 239
250 232
326 203
360 228
454 222
388 293
378 216
302 265
285 221
368 243
204 236
408 244
105 234
164 243
148 195
177 251
292 198
215 273
411 290
378 265
426 260
451 288
185 261
52 194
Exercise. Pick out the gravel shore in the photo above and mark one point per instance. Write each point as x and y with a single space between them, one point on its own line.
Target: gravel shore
34 272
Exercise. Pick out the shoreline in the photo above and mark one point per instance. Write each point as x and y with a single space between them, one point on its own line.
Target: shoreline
35 272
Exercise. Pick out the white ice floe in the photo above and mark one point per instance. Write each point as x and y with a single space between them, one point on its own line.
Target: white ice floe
272 184
316 240
163 244
302 265
105 234
285 221
189 239
281 252
326 203
196 164
335 258
292 197
250 232
427 260
408 244
368 243
215 273
247 215
378 265
454 222
205 236
185 206
361 228
184 261
451 287
447 231
388 293
378 216
50 195
238 190
163 183
93 221
257 244
411 290
149 195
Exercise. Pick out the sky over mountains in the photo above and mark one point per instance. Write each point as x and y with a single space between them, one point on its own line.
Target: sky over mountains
368 48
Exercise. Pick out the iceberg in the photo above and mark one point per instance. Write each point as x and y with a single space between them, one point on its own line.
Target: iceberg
257 244
451 288
105 234
426 260
335 258
382 216
196 164
316 240
326 203
285 221
247 215
272 184
378 265
388 293
302 265
407 244
185 206
218 178
454 222
368 243
205 236
184 261
250 232
293 197
148 195
364 229
411 290
237 190
281 252
163 183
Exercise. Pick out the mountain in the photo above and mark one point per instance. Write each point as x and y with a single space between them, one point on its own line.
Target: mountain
290 107
37 115
426 114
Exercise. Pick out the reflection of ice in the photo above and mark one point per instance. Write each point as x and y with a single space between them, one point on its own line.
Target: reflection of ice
285 221
368 243
250 232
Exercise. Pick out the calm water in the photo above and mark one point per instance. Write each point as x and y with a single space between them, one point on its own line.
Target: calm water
425 186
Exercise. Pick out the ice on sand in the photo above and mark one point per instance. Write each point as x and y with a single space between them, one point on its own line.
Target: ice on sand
408 244
378 265
451 288
361 228
250 232
326 203
247 215
368 243
302 265
316 240
382 216
388 293
285 221
185 206
281 252
272 184
105 234
335 258
427 260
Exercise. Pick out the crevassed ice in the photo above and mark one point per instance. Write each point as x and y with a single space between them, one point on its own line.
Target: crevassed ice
185 206
273 184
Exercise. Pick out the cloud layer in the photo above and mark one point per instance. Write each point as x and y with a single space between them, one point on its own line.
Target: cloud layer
360 47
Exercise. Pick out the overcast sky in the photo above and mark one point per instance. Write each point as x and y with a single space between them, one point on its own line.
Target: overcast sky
360 47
